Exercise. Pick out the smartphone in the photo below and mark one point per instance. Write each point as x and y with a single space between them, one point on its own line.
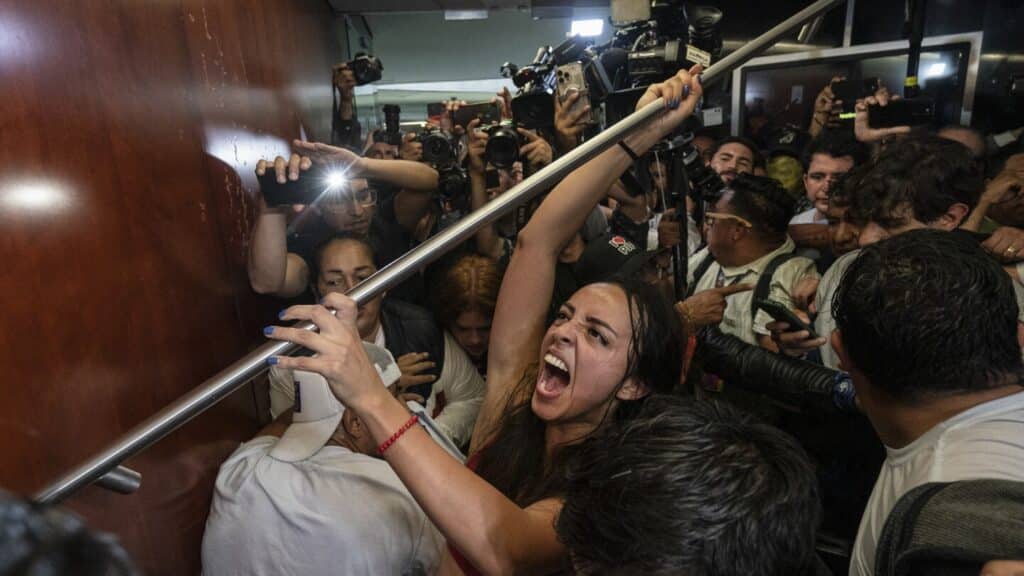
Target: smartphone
488 113
845 90
299 191
570 77
905 112
781 313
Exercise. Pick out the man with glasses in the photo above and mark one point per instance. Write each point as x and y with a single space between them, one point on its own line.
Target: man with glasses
381 200
746 237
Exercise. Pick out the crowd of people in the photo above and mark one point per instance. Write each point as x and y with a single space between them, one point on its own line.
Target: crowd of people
537 400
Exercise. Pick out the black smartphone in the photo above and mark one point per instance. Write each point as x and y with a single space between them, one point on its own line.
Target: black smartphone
488 113
845 90
301 191
781 313
904 112
435 109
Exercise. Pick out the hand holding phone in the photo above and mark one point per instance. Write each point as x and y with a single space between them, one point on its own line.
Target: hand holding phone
781 313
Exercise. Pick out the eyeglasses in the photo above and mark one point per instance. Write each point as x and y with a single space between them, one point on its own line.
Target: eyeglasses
710 217
339 202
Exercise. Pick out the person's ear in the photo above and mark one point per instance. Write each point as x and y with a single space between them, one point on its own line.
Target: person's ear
953 217
632 389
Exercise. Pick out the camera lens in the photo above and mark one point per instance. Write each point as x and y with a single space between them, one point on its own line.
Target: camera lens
502 147
436 149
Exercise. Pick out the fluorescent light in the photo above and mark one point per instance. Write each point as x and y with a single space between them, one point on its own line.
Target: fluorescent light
36 196
587 27
935 70
465 14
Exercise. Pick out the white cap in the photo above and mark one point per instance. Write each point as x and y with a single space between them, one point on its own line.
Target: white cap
317 412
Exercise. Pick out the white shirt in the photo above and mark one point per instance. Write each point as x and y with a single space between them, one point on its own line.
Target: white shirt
460 384
825 324
809 217
337 512
738 320
986 441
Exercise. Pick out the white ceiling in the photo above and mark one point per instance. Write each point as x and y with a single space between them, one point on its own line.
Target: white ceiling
372 6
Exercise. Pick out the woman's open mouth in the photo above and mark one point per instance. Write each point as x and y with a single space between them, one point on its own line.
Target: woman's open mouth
554 377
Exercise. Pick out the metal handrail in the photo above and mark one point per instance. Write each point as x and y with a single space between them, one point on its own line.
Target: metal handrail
234 376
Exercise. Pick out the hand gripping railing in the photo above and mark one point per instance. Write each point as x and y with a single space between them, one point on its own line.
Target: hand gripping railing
231 378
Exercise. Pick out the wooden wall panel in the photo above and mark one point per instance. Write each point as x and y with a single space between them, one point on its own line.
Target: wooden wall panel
128 134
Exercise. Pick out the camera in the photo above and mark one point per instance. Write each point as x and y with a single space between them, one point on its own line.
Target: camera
502 145
439 148
365 68
705 184
392 134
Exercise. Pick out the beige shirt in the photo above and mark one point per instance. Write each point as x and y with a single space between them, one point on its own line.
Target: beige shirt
738 320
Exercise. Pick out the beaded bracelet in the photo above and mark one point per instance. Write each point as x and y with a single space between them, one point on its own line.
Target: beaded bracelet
394 437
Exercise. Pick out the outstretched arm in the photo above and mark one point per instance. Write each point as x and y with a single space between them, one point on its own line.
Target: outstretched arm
492 532
529 281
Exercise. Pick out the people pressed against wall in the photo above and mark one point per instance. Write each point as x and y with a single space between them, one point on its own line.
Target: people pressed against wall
433 367
309 494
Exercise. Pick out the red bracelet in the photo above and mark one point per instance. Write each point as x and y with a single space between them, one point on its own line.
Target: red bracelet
394 437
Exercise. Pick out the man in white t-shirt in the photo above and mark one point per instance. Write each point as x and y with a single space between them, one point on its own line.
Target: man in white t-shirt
927 328
312 498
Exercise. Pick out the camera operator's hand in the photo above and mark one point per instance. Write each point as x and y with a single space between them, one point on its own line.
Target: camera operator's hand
410 149
826 108
536 150
344 80
668 230
681 94
285 170
504 100
791 342
708 307
477 146
337 158
1005 244
569 124
862 130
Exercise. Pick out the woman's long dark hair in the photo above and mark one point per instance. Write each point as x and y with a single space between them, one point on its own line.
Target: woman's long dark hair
514 462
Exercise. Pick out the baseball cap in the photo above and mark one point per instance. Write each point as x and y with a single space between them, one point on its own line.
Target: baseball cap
608 256
317 412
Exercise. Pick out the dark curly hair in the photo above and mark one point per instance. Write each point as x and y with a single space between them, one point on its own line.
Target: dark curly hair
928 313
691 487
765 203
927 173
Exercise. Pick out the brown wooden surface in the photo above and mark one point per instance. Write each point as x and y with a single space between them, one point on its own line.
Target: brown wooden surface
128 133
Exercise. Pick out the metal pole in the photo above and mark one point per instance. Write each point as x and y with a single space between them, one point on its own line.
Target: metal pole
234 376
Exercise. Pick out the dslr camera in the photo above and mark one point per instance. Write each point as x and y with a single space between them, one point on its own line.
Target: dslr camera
365 68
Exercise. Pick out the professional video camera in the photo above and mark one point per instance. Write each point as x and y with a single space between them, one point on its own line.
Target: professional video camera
649 48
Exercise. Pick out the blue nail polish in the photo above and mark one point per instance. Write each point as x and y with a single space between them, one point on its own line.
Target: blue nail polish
268 330
686 90
700 79
282 314
673 104
272 360
322 300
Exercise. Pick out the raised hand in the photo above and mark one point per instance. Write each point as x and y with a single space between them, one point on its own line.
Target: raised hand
681 94
340 356
285 170
535 149
569 124
333 156
477 146
862 130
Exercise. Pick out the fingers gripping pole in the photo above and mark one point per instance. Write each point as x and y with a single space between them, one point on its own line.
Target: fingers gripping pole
234 376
